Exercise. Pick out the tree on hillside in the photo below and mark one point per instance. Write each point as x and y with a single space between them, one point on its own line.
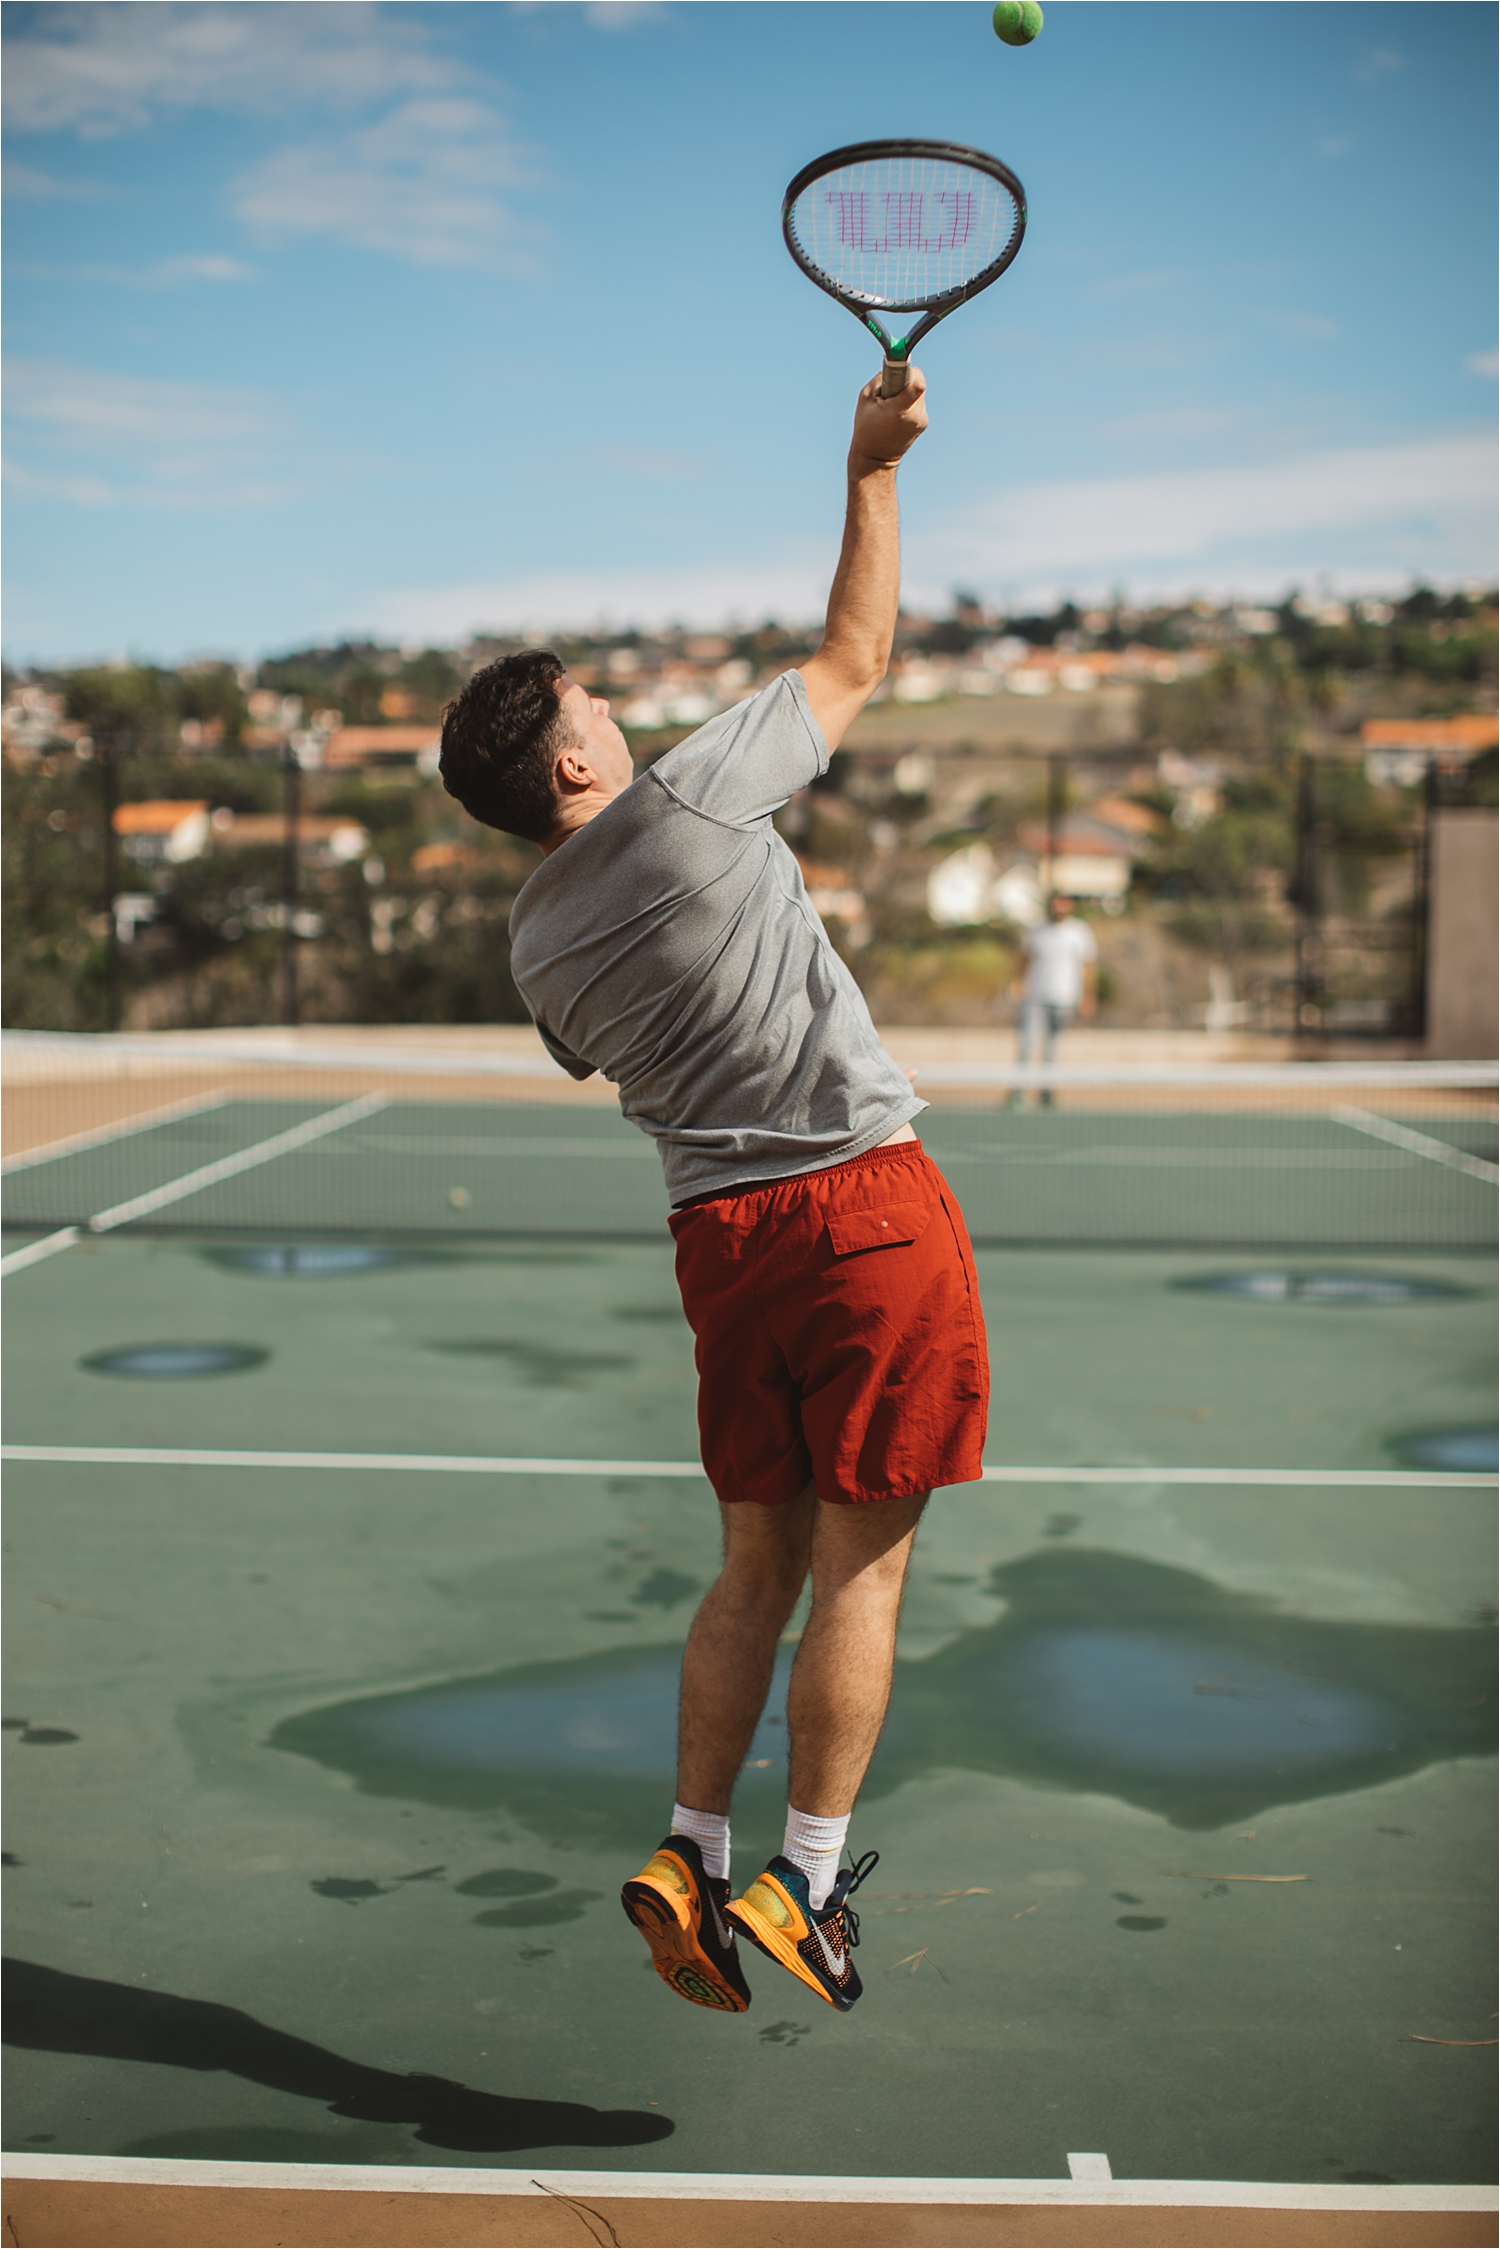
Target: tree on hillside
137 701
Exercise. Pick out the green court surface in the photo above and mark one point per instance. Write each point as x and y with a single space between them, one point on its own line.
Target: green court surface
1340 1176
323 1779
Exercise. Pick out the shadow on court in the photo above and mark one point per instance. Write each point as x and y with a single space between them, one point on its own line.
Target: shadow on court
1107 1674
62 2014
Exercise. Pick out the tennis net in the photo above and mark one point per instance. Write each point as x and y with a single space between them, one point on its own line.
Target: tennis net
301 1140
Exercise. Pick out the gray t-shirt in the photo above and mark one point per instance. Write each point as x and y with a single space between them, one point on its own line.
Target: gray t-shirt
671 945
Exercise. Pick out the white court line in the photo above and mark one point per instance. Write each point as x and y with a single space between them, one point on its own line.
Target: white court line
497 1145
18 1259
1121 1154
483 1464
1415 1143
1094 2169
209 1175
191 1105
741 2186
415 1463
199 1052
1332 1478
284 1054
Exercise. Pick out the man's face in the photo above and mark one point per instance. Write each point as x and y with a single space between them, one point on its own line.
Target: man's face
601 744
1060 908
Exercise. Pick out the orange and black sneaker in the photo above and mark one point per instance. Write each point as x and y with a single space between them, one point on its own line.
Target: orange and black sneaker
680 1911
775 1914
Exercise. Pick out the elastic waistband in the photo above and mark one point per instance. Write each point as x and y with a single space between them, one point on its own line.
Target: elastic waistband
883 1154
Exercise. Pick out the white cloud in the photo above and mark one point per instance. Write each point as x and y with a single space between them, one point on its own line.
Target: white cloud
85 405
623 15
1366 517
1483 363
422 183
554 601
1378 64
104 440
1381 510
79 491
25 182
604 15
162 273
101 68
204 265
1316 324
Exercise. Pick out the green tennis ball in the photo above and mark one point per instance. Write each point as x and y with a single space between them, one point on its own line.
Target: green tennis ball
1017 22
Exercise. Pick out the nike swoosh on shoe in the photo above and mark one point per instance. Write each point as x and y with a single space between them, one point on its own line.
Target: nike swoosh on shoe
724 1933
837 1961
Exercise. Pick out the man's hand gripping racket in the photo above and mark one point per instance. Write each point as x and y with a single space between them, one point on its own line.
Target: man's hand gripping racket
903 226
888 424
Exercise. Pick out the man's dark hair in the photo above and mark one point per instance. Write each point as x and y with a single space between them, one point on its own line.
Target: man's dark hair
501 736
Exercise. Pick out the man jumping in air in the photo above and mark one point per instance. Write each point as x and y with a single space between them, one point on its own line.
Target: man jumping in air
667 941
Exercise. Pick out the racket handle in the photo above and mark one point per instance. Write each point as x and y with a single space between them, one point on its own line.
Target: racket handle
894 378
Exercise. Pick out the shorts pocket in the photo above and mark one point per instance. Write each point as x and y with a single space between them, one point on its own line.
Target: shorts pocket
889 1227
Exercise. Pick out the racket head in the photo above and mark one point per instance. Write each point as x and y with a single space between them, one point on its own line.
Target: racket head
904 226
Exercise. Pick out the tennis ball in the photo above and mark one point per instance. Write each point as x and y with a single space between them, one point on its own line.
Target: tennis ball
1017 22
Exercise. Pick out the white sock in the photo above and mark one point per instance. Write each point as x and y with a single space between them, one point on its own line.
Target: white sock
710 1831
814 1844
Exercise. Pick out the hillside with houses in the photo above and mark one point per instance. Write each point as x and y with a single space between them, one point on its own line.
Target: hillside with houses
1239 797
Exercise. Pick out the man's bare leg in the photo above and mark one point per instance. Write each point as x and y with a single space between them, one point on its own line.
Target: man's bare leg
797 1910
678 1899
841 1680
726 1665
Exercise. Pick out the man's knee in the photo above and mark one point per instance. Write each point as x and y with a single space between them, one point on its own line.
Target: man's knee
867 1546
763 1582
766 1551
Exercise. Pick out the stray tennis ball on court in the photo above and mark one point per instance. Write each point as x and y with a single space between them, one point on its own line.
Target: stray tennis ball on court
1017 22
459 1198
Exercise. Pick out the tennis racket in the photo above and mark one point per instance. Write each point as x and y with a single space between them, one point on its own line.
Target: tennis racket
903 226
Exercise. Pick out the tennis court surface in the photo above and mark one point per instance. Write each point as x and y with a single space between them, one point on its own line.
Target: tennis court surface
354 1527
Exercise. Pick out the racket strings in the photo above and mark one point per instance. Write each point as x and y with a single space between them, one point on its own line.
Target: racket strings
900 231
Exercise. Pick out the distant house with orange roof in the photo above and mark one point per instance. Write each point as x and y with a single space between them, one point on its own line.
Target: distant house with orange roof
1096 851
163 830
1399 749
383 745
325 838
1465 735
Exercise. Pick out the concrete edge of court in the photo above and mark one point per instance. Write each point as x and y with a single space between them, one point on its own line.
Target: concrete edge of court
394 2208
71 2215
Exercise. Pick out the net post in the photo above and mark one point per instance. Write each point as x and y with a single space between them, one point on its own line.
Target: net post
1308 965
291 808
109 790
1057 788
1421 905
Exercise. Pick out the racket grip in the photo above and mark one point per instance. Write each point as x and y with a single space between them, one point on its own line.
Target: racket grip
895 376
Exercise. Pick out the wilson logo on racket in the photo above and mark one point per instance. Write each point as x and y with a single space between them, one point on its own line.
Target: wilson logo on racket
904 222
903 226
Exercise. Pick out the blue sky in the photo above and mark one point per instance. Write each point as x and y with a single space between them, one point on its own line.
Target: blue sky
412 319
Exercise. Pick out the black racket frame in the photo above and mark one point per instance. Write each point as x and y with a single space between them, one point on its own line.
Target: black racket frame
936 307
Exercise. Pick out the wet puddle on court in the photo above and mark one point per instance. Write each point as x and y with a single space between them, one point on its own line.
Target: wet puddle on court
1105 1674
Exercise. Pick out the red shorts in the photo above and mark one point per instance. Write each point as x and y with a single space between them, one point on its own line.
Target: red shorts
839 1336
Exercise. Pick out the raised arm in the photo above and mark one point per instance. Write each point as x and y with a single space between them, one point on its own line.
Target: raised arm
861 622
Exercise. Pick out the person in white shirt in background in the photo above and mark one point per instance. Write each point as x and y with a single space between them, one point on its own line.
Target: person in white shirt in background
1058 980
